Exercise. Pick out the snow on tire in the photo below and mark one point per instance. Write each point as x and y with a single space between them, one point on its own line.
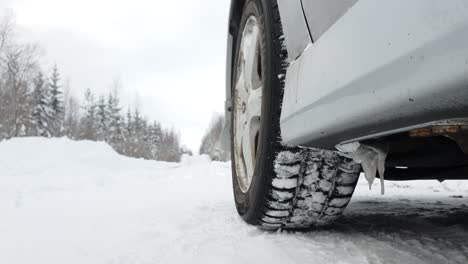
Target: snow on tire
319 195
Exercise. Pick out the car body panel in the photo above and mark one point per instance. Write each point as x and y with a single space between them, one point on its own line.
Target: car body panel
384 66
295 29
226 132
322 14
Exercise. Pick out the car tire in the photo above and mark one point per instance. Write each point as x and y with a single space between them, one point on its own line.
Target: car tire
288 187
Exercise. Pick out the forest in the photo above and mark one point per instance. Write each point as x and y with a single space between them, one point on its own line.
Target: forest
34 101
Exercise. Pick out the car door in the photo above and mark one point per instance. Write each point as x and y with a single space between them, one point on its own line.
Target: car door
322 14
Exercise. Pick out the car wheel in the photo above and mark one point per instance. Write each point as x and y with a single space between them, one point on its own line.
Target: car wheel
277 186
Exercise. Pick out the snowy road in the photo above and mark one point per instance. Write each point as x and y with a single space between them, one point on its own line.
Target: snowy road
79 202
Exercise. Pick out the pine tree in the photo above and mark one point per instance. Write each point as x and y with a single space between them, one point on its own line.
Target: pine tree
72 118
137 121
127 134
138 134
115 133
56 103
155 136
89 121
129 123
41 111
146 145
101 117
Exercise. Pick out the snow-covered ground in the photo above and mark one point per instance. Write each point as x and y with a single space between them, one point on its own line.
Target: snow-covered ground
79 202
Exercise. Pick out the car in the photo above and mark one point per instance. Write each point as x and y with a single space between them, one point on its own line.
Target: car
319 91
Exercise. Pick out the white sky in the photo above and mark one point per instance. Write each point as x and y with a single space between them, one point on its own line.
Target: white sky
169 55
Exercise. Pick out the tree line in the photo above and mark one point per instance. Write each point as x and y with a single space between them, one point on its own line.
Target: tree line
211 141
34 103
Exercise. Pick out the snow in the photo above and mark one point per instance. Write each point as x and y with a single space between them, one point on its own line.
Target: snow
80 202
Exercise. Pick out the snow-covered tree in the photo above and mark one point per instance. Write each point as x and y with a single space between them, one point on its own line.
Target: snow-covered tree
136 140
19 63
34 105
56 103
115 133
89 120
210 144
101 118
72 118
154 138
170 146
41 108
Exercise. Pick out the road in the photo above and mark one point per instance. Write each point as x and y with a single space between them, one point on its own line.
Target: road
79 202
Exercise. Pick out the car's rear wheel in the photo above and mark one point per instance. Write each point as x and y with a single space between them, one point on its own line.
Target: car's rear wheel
277 186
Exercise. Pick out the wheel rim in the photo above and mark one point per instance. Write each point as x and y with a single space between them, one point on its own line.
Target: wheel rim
248 103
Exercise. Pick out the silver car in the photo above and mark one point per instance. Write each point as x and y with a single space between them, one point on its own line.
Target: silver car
319 91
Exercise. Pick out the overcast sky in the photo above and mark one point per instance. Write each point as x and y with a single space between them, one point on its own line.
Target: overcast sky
169 55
